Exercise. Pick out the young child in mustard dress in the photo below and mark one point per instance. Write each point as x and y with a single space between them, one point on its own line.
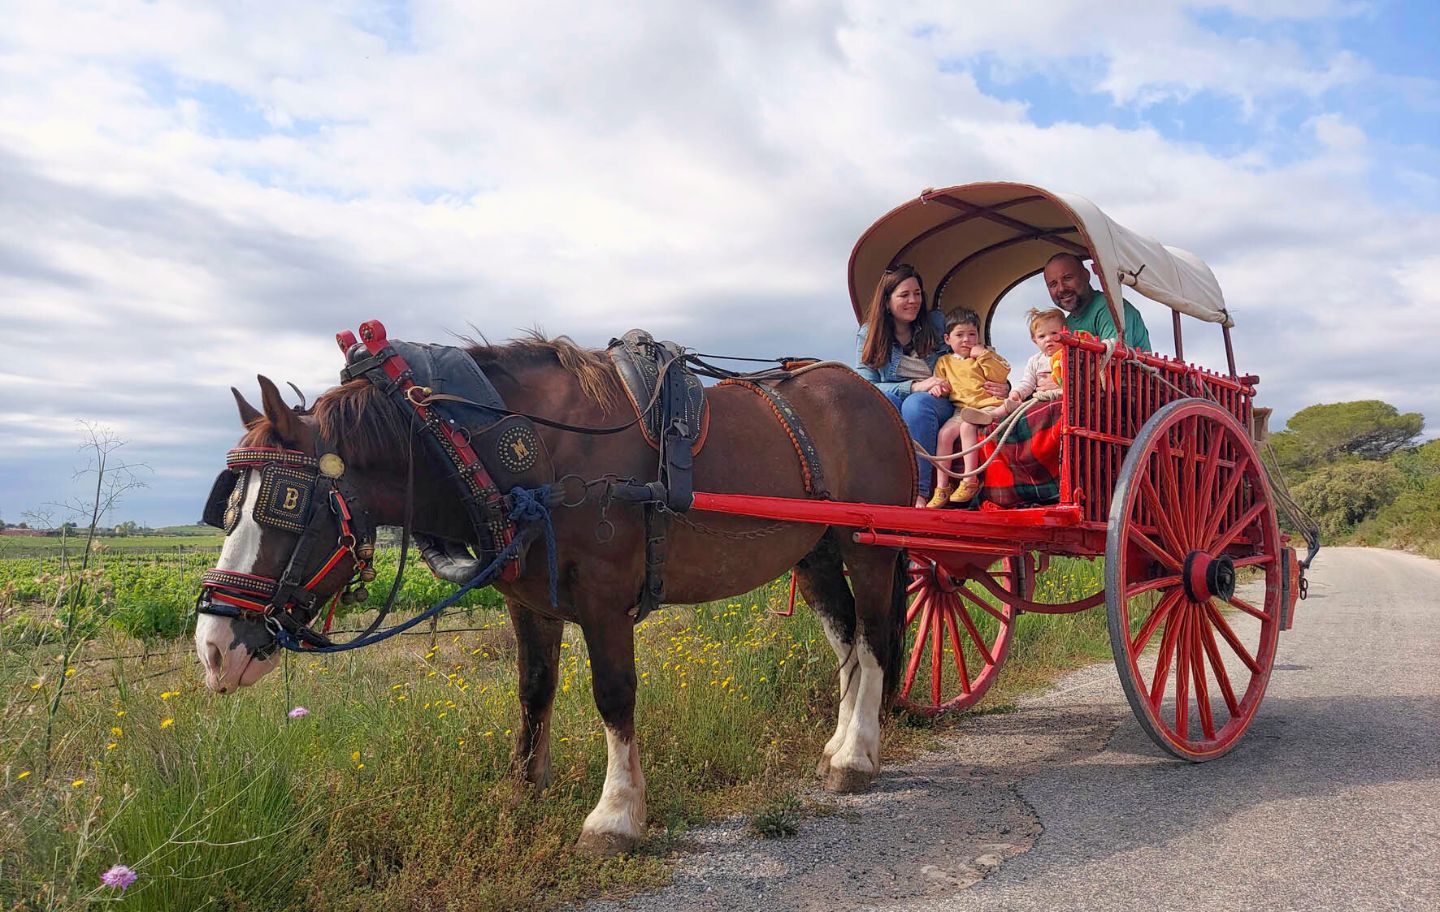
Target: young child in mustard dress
967 368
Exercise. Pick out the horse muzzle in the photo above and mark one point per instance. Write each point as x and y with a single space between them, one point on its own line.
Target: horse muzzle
235 653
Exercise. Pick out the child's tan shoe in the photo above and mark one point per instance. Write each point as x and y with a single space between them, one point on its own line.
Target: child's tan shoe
938 501
966 491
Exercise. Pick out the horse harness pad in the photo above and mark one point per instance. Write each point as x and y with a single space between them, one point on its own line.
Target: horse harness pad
674 418
640 361
467 430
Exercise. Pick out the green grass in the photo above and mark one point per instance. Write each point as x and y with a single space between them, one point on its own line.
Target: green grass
395 790
150 594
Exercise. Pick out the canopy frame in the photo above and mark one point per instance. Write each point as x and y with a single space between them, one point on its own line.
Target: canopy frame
986 223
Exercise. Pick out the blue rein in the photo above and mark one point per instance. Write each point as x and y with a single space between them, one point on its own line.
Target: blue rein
528 508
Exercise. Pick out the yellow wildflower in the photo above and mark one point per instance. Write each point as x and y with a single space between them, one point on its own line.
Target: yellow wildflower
77 783
119 713
69 672
166 723
111 746
354 755
115 730
23 774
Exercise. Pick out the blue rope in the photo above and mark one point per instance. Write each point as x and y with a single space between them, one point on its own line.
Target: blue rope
529 507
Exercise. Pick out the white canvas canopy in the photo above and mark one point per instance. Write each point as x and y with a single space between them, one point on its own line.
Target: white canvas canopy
975 242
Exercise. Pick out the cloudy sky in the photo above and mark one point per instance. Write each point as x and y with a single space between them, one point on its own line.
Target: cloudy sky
193 193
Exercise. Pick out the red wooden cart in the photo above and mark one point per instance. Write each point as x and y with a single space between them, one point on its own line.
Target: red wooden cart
1158 472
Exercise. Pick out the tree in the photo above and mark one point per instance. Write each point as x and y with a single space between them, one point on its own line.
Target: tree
128 527
1368 429
1339 496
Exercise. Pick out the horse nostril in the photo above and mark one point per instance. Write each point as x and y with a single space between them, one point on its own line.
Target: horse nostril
214 658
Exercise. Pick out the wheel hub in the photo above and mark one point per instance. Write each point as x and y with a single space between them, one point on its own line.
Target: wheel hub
1207 577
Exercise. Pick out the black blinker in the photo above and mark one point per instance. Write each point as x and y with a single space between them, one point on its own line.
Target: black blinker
214 514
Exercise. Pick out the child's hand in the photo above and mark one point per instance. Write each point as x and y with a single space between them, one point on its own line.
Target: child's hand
978 350
997 388
1013 397
938 391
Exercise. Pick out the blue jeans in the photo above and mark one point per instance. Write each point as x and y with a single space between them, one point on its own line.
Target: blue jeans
923 414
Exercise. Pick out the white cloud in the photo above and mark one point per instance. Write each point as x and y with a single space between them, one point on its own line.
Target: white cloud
198 193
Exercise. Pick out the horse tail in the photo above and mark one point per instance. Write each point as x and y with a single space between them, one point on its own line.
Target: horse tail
896 655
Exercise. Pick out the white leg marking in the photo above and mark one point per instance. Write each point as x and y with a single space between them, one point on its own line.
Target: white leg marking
861 749
846 654
621 811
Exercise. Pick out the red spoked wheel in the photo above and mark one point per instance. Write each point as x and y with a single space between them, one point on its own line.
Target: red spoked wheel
957 634
1191 509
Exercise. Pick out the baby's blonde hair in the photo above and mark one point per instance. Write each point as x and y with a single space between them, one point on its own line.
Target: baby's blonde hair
1036 316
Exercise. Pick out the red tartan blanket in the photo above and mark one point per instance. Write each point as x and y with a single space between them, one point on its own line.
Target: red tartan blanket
1027 471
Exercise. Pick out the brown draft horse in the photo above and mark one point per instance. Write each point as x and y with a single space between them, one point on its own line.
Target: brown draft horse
865 456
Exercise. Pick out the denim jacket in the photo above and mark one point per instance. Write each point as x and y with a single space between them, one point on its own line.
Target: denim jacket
886 379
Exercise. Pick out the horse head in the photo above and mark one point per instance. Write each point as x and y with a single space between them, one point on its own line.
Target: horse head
299 501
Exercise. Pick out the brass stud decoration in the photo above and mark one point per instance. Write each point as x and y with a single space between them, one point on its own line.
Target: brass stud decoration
519 449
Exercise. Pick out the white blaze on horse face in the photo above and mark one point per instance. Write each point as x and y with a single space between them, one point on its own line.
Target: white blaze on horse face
620 814
861 748
227 661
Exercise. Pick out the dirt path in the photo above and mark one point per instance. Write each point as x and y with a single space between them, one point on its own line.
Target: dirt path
1332 800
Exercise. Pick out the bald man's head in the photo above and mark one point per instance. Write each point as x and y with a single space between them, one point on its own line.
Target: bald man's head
1068 282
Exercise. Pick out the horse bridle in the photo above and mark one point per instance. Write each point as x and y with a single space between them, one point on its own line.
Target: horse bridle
292 487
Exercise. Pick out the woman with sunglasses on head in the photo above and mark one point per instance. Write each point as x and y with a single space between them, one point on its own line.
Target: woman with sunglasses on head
896 349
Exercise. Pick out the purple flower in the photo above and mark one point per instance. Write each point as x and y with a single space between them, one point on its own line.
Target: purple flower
119 876
298 712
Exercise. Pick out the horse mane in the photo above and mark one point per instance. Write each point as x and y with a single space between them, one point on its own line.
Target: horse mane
358 416
370 426
590 368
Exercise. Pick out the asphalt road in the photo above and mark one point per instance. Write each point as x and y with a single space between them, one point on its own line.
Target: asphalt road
1331 801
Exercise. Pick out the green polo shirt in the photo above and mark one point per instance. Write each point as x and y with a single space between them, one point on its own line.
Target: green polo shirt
1095 318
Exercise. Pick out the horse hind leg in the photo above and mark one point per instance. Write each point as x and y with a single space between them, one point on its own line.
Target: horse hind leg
875 613
537 641
878 587
821 579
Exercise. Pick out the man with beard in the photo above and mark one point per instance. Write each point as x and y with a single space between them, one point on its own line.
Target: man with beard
1087 310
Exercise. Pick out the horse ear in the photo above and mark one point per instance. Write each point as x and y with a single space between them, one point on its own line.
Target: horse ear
285 423
249 414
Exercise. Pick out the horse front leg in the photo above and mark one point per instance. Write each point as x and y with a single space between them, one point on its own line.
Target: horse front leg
537 641
617 824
